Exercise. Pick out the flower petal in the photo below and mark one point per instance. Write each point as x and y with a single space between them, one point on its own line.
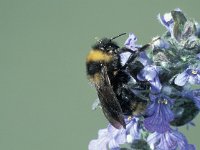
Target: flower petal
166 20
144 59
135 131
181 79
130 42
159 113
113 145
98 145
156 124
150 73
156 85
169 140
124 57
153 138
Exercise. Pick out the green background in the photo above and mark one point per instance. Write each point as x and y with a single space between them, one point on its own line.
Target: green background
45 97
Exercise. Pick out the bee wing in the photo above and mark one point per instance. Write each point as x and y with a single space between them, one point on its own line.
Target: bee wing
109 102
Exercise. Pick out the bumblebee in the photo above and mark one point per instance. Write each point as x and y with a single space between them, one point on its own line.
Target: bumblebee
114 82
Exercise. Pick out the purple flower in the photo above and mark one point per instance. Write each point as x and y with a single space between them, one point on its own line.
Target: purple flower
170 140
144 59
167 21
193 95
133 130
190 75
130 44
159 114
102 141
112 138
149 73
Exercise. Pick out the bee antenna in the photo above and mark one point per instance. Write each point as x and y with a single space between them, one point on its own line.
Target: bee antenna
117 36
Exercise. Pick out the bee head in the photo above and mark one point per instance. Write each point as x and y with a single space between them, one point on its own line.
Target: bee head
107 45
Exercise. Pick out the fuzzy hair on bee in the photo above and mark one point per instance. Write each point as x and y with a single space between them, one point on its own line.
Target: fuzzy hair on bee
112 79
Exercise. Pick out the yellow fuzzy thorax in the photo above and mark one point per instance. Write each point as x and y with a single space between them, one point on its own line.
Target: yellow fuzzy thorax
97 55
